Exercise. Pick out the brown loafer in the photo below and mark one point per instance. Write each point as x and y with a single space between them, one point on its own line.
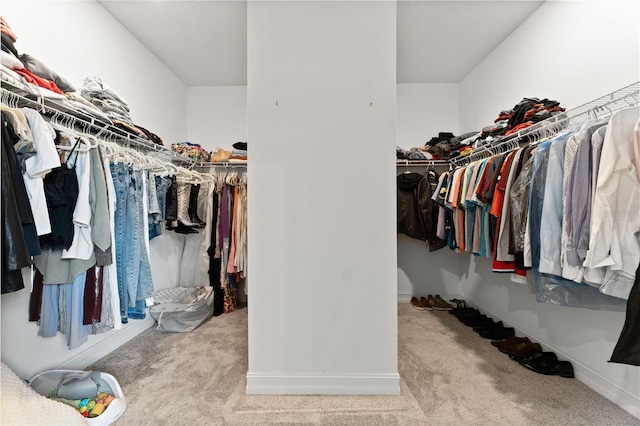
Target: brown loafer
425 302
522 349
417 304
443 304
510 341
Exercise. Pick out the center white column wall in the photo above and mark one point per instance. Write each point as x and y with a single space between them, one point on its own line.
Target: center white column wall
322 199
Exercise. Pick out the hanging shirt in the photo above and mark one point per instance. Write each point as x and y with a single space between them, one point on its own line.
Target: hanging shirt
536 203
551 219
570 272
472 172
592 276
520 204
615 225
504 230
496 211
477 205
82 245
577 208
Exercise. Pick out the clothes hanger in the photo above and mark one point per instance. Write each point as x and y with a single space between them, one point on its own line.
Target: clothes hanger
92 140
75 137
107 149
232 178
185 175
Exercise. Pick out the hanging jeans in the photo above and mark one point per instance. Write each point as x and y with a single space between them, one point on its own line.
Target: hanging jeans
134 272
156 219
140 285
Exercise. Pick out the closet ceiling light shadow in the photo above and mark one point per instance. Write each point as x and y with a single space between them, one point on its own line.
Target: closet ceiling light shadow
204 43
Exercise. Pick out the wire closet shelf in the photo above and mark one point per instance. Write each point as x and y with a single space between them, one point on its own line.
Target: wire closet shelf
79 120
421 163
226 164
605 105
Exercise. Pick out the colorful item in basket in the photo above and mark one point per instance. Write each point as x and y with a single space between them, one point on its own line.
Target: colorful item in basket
88 407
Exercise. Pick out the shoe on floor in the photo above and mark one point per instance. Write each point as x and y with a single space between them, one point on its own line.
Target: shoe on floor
434 303
460 303
462 311
442 304
417 304
487 326
521 350
468 314
498 333
473 321
547 363
509 341
425 302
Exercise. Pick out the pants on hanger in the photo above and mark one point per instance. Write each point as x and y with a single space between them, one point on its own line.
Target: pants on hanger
627 350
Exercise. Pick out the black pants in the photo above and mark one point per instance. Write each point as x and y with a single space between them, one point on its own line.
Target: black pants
627 350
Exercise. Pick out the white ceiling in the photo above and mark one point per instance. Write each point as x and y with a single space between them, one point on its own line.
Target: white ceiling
205 42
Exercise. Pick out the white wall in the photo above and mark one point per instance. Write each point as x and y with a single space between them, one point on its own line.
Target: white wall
588 49
424 110
570 51
421 272
79 39
217 116
322 242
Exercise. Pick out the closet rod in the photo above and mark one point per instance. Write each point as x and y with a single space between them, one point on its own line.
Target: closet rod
87 123
626 97
421 163
220 164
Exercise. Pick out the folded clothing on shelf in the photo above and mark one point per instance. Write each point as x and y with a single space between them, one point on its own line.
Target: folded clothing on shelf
193 151
107 100
38 68
239 154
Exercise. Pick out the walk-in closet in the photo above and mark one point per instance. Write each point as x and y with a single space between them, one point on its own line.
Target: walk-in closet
377 212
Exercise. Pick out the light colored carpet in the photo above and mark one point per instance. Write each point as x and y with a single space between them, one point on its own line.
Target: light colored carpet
449 376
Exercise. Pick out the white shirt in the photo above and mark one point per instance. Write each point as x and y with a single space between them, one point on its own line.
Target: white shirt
37 167
615 219
46 157
82 245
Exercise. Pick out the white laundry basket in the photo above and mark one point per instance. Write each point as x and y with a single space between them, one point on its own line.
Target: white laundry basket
44 382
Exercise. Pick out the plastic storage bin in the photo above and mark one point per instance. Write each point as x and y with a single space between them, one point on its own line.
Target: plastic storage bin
44 382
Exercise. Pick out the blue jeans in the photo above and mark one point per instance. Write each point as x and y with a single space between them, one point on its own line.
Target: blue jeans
121 182
140 284
134 271
155 220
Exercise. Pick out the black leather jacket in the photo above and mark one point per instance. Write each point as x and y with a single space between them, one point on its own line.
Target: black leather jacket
415 207
16 215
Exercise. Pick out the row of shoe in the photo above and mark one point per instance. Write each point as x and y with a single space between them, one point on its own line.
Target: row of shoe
521 349
430 303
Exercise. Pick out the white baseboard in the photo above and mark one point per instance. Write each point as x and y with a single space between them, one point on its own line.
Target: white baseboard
110 342
406 297
274 384
586 375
